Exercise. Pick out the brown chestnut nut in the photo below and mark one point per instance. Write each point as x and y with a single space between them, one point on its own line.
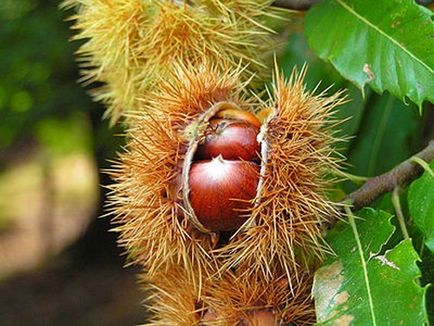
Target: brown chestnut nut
239 115
233 140
221 191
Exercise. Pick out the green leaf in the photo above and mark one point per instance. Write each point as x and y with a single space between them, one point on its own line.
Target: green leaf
421 205
427 268
386 44
364 286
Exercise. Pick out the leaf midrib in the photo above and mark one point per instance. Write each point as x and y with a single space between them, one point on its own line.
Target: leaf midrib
368 23
364 267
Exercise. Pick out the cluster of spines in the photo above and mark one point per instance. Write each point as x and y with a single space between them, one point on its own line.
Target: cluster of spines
283 238
176 298
145 198
285 231
131 44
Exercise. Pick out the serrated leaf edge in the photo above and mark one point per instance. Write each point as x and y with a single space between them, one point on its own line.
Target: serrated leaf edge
368 23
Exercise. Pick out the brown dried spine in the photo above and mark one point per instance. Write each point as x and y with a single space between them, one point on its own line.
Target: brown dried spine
176 298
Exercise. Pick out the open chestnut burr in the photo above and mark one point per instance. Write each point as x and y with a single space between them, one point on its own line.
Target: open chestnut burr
221 171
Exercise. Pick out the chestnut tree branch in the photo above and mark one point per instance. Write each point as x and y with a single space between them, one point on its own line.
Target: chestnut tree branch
401 174
294 4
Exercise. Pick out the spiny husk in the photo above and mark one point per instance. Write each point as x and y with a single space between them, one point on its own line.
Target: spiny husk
284 232
131 43
236 300
173 299
177 299
153 224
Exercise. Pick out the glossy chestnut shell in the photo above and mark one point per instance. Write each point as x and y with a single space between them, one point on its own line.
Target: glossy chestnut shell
221 192
221 169
233 140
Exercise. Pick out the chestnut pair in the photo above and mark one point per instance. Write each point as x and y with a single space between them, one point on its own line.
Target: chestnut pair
224 174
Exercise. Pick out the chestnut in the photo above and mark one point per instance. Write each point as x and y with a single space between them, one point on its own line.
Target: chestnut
239 115
221 192
233 140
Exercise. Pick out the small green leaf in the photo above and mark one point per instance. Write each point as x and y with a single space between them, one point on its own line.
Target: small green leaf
364 286
421 205
385 44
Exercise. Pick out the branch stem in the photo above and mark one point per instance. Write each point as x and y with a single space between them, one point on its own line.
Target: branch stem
375 187
423 164
401 174
398 210
353 178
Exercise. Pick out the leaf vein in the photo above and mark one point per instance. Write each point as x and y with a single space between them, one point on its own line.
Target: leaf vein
364 267
368 23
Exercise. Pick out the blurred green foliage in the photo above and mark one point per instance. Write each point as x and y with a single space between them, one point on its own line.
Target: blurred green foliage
39 95
42 106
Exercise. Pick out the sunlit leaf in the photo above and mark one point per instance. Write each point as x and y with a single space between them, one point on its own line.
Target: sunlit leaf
385 44
363 285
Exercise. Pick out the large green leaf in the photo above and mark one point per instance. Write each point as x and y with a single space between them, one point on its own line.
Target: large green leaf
421 205
386 44
364 286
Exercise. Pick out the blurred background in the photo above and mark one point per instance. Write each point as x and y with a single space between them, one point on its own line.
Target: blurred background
59 265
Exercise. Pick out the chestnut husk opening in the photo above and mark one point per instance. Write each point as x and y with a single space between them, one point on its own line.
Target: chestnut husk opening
197 132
